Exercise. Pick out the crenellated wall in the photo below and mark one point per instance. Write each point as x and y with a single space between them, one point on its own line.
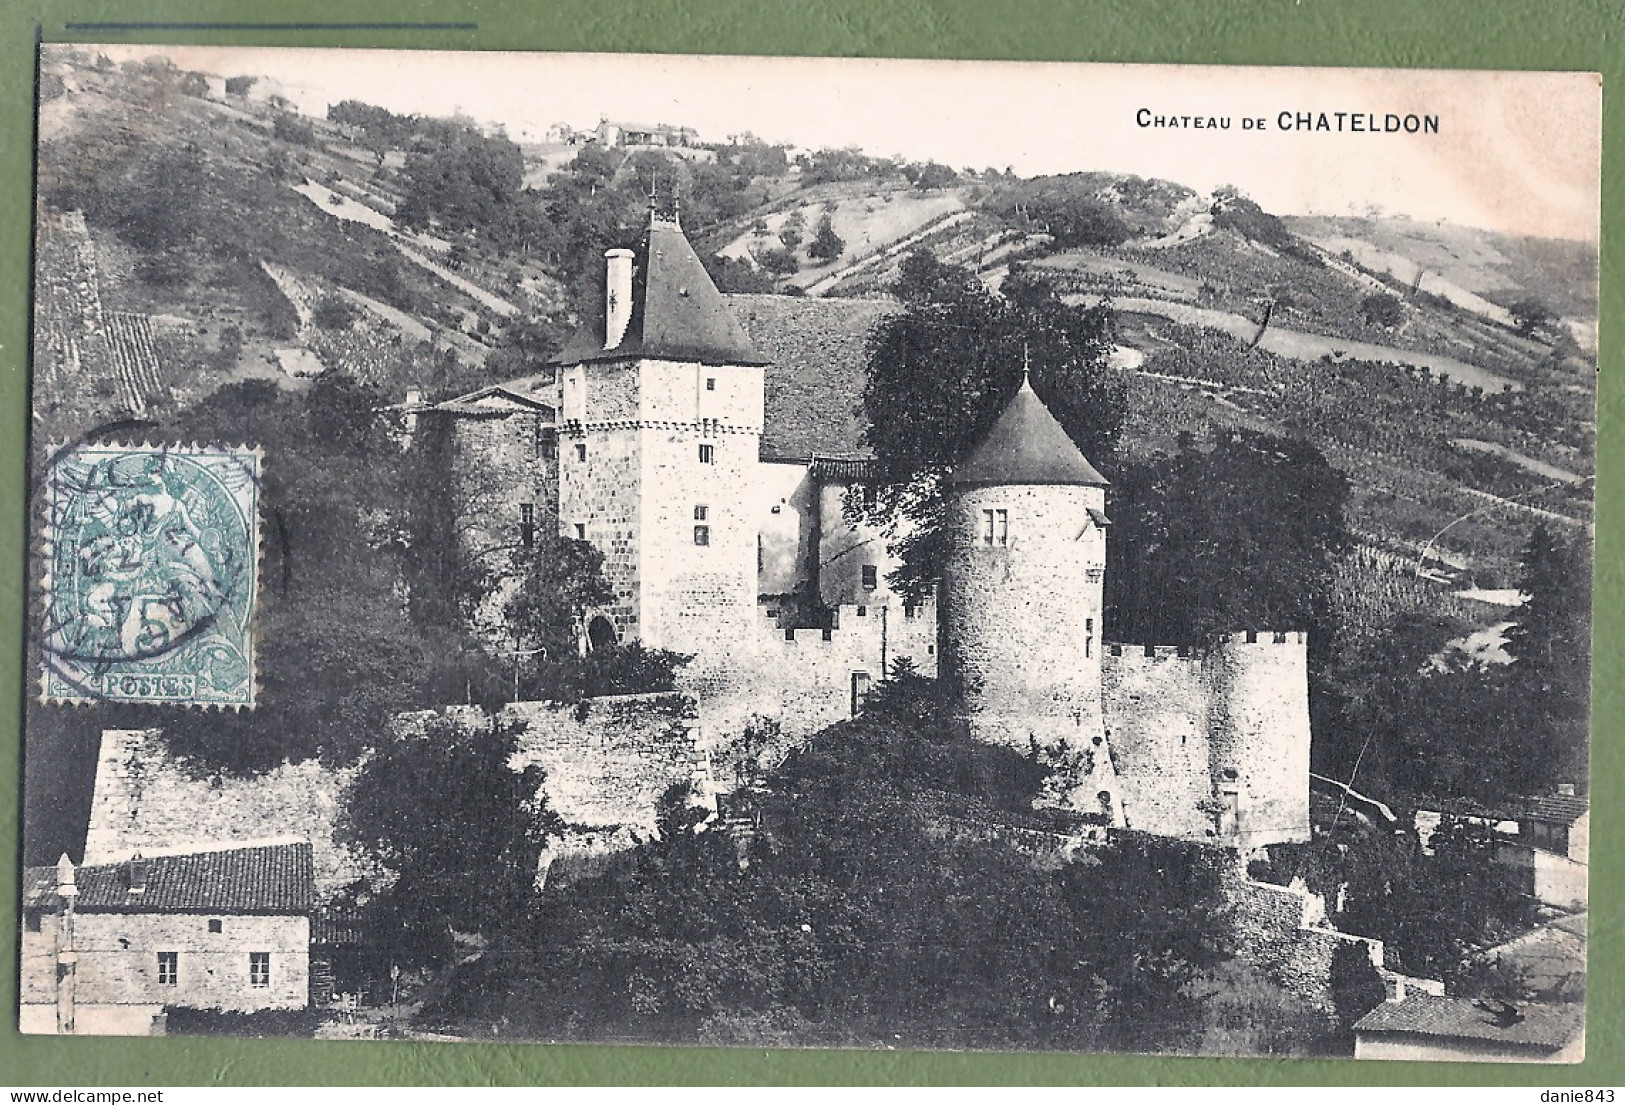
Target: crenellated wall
1156 706
1213 742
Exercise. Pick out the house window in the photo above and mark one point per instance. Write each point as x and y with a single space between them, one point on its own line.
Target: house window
871 577
710 383
527 524
581 450
700 511
708 454
215 925
259 968
702 535
995 527
169 968
581 531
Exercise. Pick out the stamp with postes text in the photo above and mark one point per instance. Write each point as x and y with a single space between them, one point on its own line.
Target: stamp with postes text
151 567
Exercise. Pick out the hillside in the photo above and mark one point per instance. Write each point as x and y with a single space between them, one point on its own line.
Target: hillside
191 236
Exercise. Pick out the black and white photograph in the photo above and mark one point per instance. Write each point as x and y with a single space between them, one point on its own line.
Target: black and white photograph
810 553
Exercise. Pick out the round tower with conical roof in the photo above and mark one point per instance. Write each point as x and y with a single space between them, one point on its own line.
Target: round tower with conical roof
1023 587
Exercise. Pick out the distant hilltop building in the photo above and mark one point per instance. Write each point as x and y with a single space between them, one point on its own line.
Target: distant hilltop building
707 445
611 134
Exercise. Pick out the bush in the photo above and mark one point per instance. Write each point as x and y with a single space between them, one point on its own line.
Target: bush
826 244
333 312
780 262
183 1021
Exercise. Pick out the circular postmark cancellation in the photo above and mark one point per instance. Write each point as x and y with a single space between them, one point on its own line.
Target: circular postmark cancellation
151 564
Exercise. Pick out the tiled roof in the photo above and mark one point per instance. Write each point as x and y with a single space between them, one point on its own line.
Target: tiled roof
817 363
1543 1025
275 879
1026 445
1559 807
677 312
39 887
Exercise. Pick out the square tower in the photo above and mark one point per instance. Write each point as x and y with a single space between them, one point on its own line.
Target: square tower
661 398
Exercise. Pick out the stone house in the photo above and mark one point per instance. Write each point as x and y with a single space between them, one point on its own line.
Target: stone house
106 949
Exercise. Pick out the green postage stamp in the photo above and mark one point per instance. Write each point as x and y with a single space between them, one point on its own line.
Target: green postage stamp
151 566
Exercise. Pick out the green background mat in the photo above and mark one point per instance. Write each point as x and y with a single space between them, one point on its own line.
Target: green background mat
1451 34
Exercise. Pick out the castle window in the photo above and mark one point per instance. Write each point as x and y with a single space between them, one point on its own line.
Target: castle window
1088 636
31 920
995 527
700 512
863 611
871 577
527 524
581 531
710 383
702 535
708 454
259 968
216 925
581 450
169 968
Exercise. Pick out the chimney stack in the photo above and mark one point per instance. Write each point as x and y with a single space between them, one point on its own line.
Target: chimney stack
137 873
618 295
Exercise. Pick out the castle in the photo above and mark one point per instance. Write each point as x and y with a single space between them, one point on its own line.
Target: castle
706 445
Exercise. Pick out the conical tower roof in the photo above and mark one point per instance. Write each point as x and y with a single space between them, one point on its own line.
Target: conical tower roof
677 312
1026 445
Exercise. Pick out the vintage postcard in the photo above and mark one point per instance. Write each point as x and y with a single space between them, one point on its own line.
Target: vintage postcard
811 553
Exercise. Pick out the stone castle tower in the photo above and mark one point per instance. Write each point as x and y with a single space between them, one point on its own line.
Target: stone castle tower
1023 588
661 400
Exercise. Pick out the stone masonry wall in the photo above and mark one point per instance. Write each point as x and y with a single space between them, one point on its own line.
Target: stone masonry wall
1023 614
499 463
118 960
598 493
144 800
610 760
1272 933
1156 715
1260 733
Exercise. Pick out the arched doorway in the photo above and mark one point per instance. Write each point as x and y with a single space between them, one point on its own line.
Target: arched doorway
601 634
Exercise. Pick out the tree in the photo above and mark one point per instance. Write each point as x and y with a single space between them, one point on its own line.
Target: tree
1382 309
780 262
559 579
461 178
458 830
791 233
239 86
1531 316
942 369
826 244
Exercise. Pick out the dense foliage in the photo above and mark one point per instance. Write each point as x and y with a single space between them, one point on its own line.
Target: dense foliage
457 830
863 913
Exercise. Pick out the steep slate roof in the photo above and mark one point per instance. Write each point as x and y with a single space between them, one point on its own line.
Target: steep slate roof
267 879
817 364
677 312
1562 808
1543 1026
1026 446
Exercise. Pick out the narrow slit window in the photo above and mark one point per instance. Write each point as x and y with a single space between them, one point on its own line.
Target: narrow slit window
1002 519
581 531
1088 636
700 512
581 450
987 527
708 454
527 524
